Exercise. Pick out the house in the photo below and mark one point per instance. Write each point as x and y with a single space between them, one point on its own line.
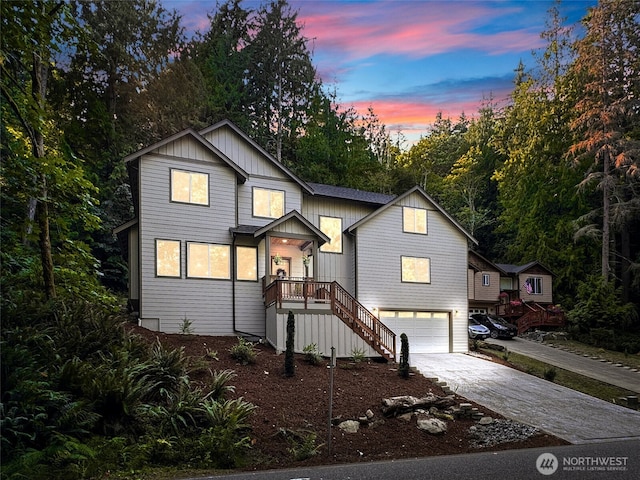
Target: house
227 238
523 294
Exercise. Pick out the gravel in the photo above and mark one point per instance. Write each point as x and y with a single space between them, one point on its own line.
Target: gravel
500 431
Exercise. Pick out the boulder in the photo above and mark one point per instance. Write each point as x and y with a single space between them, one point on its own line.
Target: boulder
434 426
349 426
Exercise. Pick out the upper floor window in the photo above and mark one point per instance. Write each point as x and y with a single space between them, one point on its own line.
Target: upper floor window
485 279
167 258
332 228
247 263
533 286
414 220
208 261
416 270
268 203
189 187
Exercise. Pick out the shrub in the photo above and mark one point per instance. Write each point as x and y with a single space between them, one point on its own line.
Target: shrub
244 352
312 355
357 355
303 445
186 327
550 374
403 369
289 366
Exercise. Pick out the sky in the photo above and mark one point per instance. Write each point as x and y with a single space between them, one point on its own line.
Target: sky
410 59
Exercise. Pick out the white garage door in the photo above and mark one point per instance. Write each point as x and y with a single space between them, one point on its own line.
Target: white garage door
428 332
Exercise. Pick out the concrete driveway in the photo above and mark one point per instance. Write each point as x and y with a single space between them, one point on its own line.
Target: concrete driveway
565 413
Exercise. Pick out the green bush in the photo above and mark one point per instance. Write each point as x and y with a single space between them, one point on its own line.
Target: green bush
244 352
550 374
312 355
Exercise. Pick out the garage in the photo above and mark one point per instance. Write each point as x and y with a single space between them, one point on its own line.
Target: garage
428 332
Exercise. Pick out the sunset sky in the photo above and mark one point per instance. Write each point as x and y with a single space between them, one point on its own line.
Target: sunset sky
409 59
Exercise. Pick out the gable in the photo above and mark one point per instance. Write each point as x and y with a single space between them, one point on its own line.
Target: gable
246 153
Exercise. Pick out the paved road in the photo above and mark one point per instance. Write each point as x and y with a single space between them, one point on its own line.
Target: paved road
573 462
574 416
605 372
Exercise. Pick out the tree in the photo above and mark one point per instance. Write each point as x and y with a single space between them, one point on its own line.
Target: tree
607 126
281 79
223 58
35 163
403 368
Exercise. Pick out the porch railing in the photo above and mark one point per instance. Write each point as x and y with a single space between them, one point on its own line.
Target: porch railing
343 305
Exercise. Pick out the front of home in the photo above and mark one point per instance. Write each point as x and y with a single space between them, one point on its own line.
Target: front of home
229 240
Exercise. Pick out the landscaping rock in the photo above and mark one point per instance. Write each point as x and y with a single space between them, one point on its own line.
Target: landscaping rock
434 426
349 426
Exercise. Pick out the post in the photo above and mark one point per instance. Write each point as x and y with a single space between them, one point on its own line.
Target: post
332 365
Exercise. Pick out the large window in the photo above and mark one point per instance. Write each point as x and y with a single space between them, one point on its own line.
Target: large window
416 270
332 228
247 263
168 258
189 187
414 220
533 286
268 203
208 261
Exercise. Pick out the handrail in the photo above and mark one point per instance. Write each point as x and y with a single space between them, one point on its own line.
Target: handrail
343 305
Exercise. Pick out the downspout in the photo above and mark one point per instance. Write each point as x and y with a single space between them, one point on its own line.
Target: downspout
233 292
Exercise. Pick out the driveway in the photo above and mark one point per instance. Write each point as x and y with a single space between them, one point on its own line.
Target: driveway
565 413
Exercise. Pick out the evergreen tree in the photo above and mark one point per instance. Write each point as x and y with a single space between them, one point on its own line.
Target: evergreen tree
607 128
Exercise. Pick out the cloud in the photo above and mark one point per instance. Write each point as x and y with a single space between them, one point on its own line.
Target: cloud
418 29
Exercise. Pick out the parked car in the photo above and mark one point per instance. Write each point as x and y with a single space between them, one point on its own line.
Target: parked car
477 331
498 327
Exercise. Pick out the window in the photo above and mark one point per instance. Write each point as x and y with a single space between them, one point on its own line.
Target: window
168 258
332 228
247 263
207 260
485 279
533 286
414 220
268 203
189 187
416 270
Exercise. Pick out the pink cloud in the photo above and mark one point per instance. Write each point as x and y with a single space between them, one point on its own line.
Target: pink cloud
413 29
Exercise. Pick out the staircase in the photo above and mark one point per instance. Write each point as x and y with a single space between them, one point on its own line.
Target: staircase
538 316
365 324
343 305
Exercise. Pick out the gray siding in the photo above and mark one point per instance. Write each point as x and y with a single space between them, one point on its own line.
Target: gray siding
335 266
382 243
206 302
292 198
321 328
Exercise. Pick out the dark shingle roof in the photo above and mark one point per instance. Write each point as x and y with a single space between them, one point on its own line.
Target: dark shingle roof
345 193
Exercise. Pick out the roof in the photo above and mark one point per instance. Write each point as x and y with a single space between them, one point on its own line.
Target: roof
517 269
344 193
258 231
484 259
420 191
240 173
254 144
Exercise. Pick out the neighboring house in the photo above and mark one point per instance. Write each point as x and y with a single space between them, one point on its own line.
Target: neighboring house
229 239
484 279
523 294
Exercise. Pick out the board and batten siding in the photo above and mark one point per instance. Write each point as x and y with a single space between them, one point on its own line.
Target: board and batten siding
205 302
381 243
335 266
322 328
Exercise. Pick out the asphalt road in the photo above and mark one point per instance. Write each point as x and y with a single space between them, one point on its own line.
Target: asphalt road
609 460
606 372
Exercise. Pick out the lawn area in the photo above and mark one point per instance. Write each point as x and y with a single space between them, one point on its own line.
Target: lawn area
632 360
566 378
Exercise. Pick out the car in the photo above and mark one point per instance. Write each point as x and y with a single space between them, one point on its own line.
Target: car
477 331
498 327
